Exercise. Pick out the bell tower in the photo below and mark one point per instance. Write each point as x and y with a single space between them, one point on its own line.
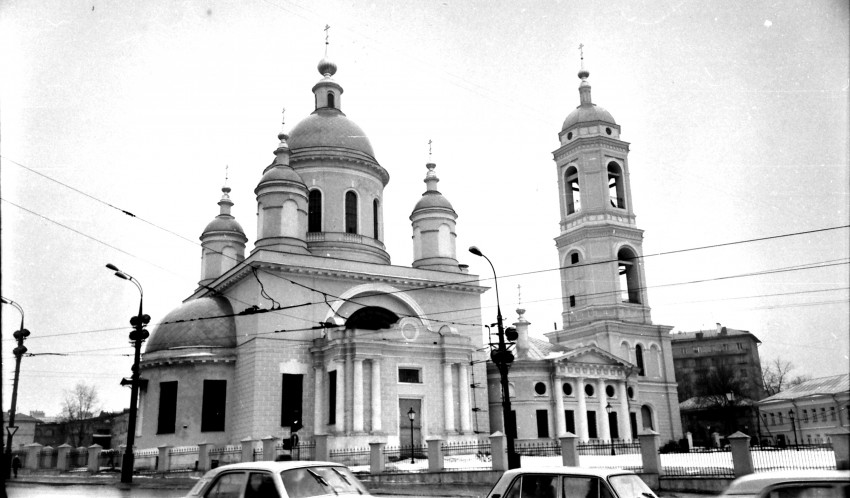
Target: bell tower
599 245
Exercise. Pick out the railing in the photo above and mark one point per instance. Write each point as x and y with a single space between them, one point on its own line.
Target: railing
617 454
356 458
145 461
698 462
472 455
542 449
809 456
405 459
109 460
183 459
77 459
225 455
47 458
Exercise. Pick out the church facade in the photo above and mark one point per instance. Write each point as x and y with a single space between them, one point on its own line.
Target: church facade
608 373
315 331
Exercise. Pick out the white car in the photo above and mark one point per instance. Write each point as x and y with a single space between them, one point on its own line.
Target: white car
791 484
279 480
570 482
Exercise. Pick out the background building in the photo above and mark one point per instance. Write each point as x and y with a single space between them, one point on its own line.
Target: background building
315 330
608 374
817 407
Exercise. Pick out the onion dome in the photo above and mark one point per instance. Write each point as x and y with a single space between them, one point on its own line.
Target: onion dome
432 198
327 67
587 111
199 323
224 222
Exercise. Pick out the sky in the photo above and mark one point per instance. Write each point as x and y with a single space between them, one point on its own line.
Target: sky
736 114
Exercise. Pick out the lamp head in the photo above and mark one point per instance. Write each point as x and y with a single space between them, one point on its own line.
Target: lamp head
476 251
411 414
112 267
5 301
121 274
608 408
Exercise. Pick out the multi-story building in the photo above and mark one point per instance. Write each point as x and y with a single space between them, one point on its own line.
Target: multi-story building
808 412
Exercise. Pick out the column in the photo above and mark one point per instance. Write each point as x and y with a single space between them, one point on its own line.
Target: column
465 414
581 410
448 398
357 416
376 395
318 400
623 423
558 393
340 397
604 427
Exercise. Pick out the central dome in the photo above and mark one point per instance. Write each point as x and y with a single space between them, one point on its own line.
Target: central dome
329 127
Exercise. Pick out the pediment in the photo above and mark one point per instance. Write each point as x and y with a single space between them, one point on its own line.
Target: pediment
592 355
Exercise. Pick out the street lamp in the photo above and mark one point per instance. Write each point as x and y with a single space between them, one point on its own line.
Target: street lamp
412 416
137 336
19 351
503 359
793 428
609 408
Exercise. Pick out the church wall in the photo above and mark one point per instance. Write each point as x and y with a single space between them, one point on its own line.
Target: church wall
335 181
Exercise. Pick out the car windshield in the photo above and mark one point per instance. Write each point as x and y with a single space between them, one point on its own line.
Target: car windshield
630 486
319 481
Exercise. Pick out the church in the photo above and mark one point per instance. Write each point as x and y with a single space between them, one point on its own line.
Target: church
608 374
315 331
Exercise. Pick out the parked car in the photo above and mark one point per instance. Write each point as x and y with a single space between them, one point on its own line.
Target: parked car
291 479
570 482
791 484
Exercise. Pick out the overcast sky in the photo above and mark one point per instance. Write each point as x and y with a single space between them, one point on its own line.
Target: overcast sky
736 112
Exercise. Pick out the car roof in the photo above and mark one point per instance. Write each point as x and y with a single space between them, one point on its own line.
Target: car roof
753 483
585 471
271 466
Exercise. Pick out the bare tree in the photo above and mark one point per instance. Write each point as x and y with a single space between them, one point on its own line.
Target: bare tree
776 376
78 407
715 384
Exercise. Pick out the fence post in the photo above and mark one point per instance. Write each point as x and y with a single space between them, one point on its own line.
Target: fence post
81 450
435 454
163 464
204 456
569 450
33 449
321 453
94 458
841 448
742 459
376 458
62 457
268 448
499 451
247 450
649 452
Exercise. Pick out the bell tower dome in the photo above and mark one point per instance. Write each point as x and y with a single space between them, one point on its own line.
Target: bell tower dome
599 246
433 220
222 242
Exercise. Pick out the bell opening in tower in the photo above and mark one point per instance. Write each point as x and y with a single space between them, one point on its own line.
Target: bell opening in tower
628 275
572 191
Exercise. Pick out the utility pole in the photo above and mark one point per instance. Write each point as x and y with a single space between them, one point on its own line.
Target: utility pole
19 352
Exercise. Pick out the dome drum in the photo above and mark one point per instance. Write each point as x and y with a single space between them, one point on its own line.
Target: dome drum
347 246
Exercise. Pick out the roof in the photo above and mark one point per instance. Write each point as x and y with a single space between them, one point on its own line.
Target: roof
433 199
587 471
711 334
823 386
541 350
703 402
273 466
753 483
194 324
21 417
329 127
587 113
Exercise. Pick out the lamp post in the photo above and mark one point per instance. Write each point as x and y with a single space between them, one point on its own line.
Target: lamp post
608 409
793 428
503 359
19 351
412 416
137 337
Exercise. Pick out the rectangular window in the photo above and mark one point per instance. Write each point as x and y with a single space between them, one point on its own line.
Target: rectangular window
409 375
740 346
832 413
725 347
591 424
291 390
167 407
612 424
805 416
780 418
213 404
572 301
696 350
332 397
542 423
633 423
823 414
569 418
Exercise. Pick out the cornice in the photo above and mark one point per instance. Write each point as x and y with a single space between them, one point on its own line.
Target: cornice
338 154
623 232
595 143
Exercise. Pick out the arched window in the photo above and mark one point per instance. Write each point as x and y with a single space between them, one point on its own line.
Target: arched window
375 218
331 102
572 191
350 212
639 360
628 273
574 258
615 186
314 211
646 415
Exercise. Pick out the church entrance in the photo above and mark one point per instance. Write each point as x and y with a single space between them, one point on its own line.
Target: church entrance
404 423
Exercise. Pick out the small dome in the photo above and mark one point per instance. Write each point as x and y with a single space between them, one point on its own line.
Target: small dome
586 113
281 173
433 199
188 331
326 67
328 127
224 223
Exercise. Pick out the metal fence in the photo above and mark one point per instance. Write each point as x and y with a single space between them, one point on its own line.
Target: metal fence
47 458
710 462
541 449
405 459
468 455
109 460
356 458
77 459
605 448
225 455
809 456
183 459
145 461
